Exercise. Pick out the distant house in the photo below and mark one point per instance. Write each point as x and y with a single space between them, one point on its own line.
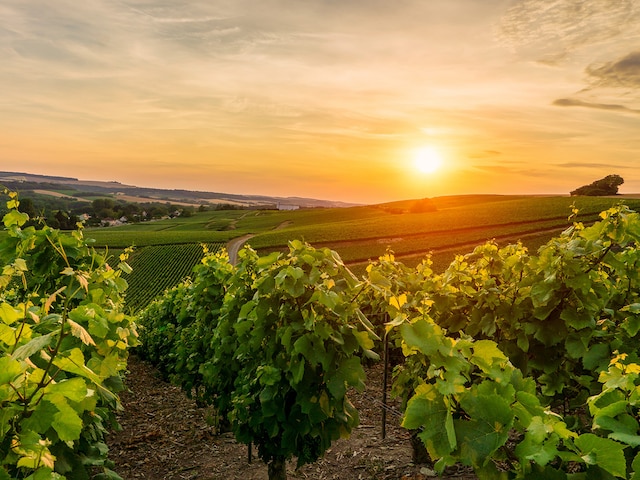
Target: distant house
113 222
286 206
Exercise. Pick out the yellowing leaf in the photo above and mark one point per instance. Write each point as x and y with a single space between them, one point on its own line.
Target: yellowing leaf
51 299
82 280
398 301
79 331
8 314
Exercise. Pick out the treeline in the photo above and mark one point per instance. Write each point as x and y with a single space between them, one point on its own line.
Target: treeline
64 214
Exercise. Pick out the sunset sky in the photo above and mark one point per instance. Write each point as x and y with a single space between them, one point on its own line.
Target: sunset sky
327 99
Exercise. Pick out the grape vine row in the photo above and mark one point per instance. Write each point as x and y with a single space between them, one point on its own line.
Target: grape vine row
522 365
159 267
64 342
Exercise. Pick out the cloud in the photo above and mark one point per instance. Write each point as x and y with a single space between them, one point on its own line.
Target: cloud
572 102
485 154
622 73
548 31
608 166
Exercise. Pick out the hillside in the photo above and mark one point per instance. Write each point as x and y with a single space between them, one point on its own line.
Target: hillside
75 188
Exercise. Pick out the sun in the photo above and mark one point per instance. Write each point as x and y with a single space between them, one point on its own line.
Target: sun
427 160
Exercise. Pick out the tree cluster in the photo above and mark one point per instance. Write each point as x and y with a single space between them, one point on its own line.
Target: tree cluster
600 188
65 215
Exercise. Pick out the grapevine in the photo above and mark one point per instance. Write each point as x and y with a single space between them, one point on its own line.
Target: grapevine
63 346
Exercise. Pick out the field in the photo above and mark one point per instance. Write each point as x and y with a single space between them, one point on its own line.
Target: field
166 250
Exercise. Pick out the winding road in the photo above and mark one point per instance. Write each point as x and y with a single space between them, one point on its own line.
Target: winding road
234 245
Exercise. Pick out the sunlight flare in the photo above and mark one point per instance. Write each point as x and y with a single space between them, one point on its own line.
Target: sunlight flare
427 160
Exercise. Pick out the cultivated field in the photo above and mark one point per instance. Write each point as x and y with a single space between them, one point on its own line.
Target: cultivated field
455 226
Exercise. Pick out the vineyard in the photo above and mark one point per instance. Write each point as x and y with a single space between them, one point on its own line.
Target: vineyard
158 267
358 234
518 363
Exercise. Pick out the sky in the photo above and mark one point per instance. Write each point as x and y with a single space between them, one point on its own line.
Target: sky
329 99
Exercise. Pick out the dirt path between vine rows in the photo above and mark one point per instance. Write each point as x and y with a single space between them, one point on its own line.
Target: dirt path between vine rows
165 436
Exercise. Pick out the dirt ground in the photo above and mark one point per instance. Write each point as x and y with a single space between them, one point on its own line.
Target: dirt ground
165 436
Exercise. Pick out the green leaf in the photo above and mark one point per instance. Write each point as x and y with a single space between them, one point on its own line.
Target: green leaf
598 355
107 475
542 293
41 417
379 279
635 465
578 319
577 345
74 389
485 352
33 346
66 422
364 340
349 373
603 452
269 375
267 260
491 418
8 335
73 362
125 267
633 440
540 450
423 335
15 218
427 411
632 325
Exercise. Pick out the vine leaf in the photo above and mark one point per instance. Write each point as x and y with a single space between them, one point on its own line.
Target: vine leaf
427 410
33 346
79 331
488 429
603 452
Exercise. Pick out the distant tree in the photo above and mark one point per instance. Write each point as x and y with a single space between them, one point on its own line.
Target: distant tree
422 206
27 206
102 204
187 211
605 186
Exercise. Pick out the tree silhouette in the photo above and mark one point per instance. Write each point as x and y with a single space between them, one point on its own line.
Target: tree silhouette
605 186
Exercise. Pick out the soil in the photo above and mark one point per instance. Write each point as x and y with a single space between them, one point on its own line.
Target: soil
166 436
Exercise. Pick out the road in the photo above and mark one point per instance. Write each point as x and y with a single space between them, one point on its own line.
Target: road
234 245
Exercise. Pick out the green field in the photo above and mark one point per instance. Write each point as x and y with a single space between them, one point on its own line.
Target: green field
166 250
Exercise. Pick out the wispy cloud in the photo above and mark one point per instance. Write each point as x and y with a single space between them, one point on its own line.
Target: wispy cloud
549 31
572 102
594 165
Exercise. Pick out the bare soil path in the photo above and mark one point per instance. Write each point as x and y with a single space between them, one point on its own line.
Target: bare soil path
165 436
